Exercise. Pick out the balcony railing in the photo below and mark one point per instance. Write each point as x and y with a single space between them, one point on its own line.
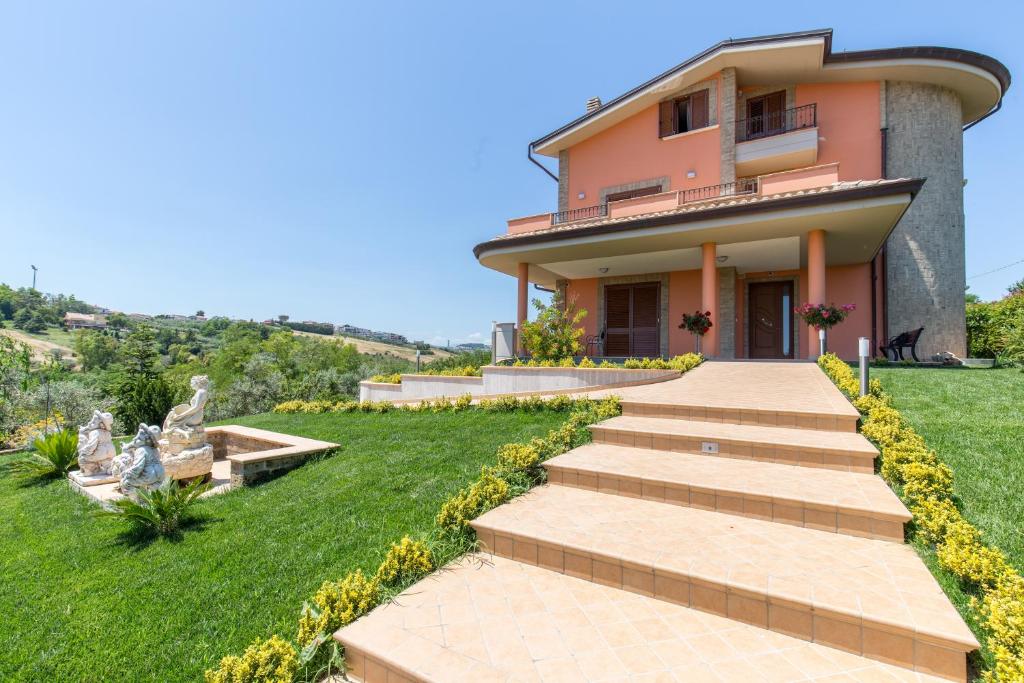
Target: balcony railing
777 122
573 215
697 194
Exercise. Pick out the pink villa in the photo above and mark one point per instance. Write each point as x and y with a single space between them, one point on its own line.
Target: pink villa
757 175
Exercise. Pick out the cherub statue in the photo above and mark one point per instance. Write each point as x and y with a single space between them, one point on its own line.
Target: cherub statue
139 465
95 448
185 418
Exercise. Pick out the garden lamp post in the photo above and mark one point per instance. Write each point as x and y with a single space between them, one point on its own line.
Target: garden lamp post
864 348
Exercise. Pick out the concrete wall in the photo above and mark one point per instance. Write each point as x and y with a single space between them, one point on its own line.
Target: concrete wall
925 253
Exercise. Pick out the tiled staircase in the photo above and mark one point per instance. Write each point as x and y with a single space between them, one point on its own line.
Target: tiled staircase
704 535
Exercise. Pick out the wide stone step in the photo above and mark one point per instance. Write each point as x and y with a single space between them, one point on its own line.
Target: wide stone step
846 451
868 597
767 417
796 395
485 618
844 502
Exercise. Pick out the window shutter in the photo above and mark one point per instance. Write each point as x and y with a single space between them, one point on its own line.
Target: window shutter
699 110
666 119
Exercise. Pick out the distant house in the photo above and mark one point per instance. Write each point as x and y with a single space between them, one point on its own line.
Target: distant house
140 316
472 346
84 321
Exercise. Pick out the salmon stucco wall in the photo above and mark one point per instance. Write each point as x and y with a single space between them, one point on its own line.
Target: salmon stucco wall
849 126
683 297
849 285
631 151
585 293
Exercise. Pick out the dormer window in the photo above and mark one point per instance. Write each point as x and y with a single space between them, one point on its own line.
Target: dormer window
684 114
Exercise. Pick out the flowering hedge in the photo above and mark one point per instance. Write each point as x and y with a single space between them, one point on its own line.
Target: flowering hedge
926 486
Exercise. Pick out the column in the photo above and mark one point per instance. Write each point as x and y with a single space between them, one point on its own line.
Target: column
523 273
815 282
709 296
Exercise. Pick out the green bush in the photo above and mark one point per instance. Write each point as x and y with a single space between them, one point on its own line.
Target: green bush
54 454
996 329
556 332
163 510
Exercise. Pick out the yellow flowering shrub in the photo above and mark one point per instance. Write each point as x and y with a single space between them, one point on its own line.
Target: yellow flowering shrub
463 402
272 661
927 488
517 457
487 492
336 604
393 378
587 363
405 562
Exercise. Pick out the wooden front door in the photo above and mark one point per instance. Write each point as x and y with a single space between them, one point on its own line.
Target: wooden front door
632 316
771 319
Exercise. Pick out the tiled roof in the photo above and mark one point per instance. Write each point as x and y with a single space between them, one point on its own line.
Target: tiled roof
751 200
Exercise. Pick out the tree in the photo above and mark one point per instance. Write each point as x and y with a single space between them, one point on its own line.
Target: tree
1016 288
96 351
556 332
140 391
200 313
282 319
118 321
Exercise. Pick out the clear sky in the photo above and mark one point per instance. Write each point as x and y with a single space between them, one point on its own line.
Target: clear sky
338 161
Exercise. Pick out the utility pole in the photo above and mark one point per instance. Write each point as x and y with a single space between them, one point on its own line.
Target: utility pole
34 270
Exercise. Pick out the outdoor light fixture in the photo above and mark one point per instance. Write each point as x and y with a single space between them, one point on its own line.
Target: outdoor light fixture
691 174
581 195
603 270
721 259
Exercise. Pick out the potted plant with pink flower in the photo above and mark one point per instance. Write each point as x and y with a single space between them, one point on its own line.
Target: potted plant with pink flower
697 323
823 317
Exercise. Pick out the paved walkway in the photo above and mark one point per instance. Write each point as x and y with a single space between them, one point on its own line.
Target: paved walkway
729 526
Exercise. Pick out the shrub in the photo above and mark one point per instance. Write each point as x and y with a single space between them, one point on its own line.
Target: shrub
163 510
517 457
272 661
486 493
587 363
405 562
337 603
556 332
395 378
55 454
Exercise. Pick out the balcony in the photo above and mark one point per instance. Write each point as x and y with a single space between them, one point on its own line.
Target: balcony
664 201
777 141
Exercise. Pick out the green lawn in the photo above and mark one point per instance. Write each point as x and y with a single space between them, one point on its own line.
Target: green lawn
79 603
973 419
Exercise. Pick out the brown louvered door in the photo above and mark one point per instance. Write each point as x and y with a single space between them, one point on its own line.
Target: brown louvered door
645 321
617 320
632 315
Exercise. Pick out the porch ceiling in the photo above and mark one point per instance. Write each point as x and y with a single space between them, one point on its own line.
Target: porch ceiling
856 230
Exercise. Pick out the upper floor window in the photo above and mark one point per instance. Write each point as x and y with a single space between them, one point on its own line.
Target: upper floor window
684 114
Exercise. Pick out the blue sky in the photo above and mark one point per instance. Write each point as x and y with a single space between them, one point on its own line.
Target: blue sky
338 162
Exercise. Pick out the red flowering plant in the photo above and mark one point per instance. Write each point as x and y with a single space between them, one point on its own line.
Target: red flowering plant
822 317
699 322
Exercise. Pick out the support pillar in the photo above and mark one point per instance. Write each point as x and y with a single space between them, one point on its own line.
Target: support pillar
709 297
522 310
815 282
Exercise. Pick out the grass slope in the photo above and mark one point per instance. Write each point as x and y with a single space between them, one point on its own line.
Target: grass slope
80 603
972 419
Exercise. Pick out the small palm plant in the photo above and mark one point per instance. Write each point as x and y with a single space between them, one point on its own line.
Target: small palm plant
163 510
53 455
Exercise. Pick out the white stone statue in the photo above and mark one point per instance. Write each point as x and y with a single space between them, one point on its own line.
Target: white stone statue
95 447
183 448
139 466
186 418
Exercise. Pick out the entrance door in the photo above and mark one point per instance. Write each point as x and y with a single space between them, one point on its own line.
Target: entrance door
771 320
632 320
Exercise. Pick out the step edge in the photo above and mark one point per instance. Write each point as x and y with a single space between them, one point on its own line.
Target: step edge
903 516
739 590
795 413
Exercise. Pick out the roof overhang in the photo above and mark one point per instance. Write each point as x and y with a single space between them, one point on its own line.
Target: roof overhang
804 57
857 222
